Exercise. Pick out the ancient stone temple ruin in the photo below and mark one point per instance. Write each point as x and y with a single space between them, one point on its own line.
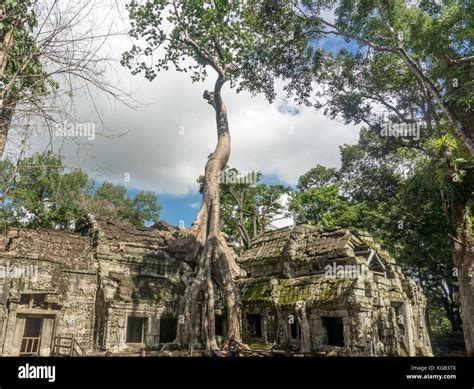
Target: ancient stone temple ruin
356 300
113 287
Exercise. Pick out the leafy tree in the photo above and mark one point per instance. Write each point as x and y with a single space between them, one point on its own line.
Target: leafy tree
406 64
37 192
317 177
21 72
224 37
111 201
399 49
323 206
418 233
146 208
270 205
372 170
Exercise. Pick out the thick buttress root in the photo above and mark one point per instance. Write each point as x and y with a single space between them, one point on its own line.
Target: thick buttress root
304 326
216 265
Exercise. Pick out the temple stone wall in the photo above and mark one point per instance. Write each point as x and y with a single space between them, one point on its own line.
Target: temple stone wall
358 301
117 288
138 278
49 276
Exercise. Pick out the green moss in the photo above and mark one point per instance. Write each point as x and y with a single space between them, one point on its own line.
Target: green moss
292 290
256 291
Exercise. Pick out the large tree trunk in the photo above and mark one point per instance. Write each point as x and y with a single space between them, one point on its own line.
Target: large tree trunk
245 238
6 110
455 203
304 327
463 255
6 114
215 260
6 106
451 306
453 316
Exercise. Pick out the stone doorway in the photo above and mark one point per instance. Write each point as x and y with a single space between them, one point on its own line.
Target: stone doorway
30 342
167 330
33 335
334 331
254 326
221 325
136 329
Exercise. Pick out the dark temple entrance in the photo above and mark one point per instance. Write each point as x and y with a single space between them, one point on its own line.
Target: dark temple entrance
167 330
254 322
334 330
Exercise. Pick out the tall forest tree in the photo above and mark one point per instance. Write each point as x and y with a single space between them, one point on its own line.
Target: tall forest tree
49 54
408 62
41 192
20 68
429 41
217 35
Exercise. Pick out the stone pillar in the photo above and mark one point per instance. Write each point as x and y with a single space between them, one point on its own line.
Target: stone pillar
47 337
408 337
317 331
154 331
265 326
10 332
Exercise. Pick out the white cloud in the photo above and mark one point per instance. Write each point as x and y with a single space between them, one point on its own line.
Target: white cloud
158 156
280 221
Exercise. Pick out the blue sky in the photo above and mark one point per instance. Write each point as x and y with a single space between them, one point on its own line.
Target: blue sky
177 208
334 44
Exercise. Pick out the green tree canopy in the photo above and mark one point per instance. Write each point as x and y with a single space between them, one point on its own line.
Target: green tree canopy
222 34
40 191
399 196
406 61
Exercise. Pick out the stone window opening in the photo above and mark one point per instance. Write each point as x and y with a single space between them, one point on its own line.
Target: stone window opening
334 330
254 322
167 329
136 329
376 265
31 301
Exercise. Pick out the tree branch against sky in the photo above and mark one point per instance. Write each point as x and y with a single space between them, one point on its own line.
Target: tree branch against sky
54 55
433 39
